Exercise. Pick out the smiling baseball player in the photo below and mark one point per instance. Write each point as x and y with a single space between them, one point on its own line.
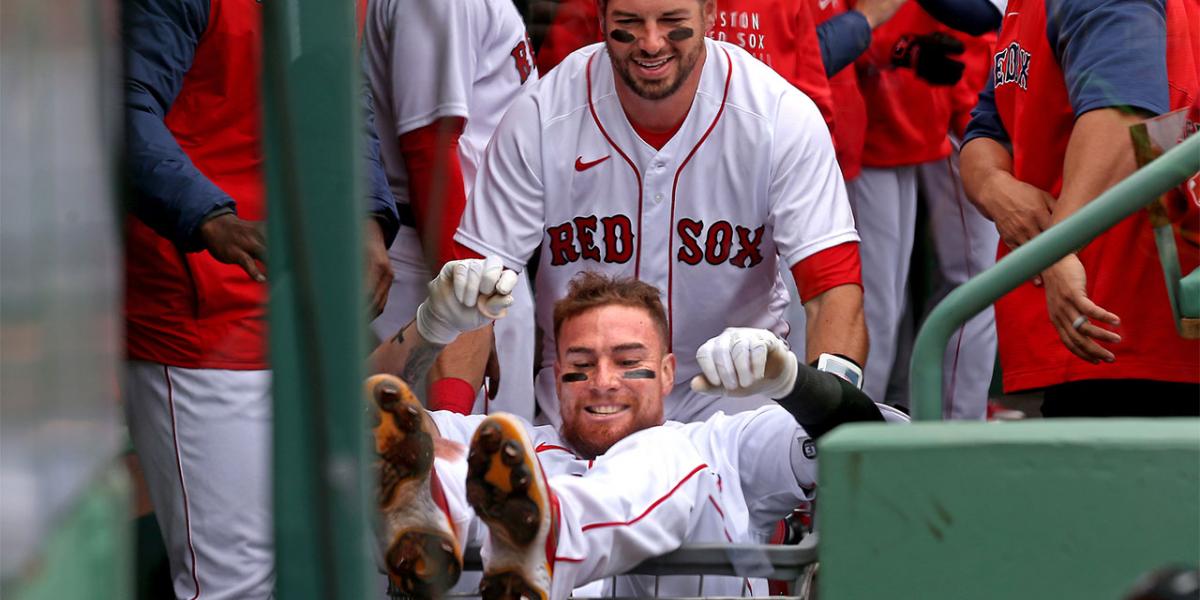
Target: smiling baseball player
683 162
600 506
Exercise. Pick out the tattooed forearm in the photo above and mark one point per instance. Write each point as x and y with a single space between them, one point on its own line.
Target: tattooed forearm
420 359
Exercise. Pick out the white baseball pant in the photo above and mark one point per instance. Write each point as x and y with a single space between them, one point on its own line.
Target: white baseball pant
203 437
514 333
885 206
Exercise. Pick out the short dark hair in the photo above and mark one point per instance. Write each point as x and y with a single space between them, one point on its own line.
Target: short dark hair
590 289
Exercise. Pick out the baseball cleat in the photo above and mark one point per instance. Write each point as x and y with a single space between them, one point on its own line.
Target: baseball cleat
423 557
507 489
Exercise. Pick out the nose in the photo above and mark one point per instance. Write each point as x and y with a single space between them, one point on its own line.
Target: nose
608 376
654 40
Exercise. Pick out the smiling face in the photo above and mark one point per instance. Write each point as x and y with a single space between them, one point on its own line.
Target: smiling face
655 45
613 371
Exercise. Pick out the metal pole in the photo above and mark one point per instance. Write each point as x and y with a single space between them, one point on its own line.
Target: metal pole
315 214
1120 201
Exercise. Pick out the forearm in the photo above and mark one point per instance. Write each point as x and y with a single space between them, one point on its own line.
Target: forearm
1099 154
821 401
407 355
836 324
982 159
843 39
975 17
465 358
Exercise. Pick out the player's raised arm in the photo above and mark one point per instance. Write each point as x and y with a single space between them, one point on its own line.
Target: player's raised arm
743 361
465 296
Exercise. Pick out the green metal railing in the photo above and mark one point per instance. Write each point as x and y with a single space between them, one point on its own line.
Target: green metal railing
1122 200
312 122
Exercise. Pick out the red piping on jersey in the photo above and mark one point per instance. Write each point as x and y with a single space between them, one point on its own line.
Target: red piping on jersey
637 260
542 447
187 518
591 526
674 187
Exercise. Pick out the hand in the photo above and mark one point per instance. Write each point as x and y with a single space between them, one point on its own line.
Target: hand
744 362
377 275
1019 210
465 296
1066 300
929 55
233 241
878 12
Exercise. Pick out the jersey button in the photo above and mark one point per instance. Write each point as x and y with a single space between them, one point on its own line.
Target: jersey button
658 198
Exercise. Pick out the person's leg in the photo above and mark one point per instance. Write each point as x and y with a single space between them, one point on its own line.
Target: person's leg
203 439
885 206
410 278
965 243
641 499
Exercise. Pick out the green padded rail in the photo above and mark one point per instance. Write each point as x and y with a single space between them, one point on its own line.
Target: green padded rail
1189 295
1063 509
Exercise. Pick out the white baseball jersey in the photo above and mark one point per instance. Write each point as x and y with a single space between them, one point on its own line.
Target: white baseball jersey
749 179
482 62
433 59
727 479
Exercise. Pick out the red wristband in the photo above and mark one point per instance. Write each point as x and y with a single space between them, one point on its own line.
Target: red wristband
452 394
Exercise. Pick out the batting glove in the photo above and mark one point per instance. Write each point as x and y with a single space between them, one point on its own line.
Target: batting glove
744 362
929 55
466 295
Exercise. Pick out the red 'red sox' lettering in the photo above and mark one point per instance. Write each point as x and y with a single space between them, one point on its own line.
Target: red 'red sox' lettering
611 240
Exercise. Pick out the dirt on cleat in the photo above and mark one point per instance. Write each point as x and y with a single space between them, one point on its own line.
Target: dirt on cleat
422 556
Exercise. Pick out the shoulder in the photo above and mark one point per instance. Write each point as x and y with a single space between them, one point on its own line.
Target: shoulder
564 90
755 88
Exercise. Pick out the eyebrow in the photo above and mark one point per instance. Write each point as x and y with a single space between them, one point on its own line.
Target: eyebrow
629 346
581 350
676 12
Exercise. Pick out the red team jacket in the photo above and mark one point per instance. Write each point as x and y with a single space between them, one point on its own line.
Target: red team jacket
780 33
1123 272
187 309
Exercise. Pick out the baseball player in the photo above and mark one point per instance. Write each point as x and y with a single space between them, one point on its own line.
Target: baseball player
442 74
197 383
781 34
1051 133
910 79
684 162
601 507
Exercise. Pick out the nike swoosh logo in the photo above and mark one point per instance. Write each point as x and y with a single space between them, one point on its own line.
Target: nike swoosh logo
583 166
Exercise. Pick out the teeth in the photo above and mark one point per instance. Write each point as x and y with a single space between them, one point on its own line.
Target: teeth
605 410
653 65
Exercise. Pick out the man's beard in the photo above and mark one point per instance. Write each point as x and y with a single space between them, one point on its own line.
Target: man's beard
686 64
599 444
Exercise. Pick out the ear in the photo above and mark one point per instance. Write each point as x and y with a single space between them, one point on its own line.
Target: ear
668 373
708 14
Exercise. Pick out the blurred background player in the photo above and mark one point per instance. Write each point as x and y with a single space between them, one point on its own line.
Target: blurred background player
443 73
197 377
1051 133
919 80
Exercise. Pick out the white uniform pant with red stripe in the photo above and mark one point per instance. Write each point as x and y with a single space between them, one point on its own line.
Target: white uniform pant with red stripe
203 437
645 497
885 212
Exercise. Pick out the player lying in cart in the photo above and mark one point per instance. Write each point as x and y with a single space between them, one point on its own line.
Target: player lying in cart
556 508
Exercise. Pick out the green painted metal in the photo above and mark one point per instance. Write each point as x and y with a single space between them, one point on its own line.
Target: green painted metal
1120 201
1189 295
87 555
1062 509
315 217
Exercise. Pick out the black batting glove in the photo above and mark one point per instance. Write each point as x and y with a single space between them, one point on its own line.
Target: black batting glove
929 55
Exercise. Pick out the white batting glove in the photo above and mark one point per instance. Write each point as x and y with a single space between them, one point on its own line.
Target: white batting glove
742 362
466 295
